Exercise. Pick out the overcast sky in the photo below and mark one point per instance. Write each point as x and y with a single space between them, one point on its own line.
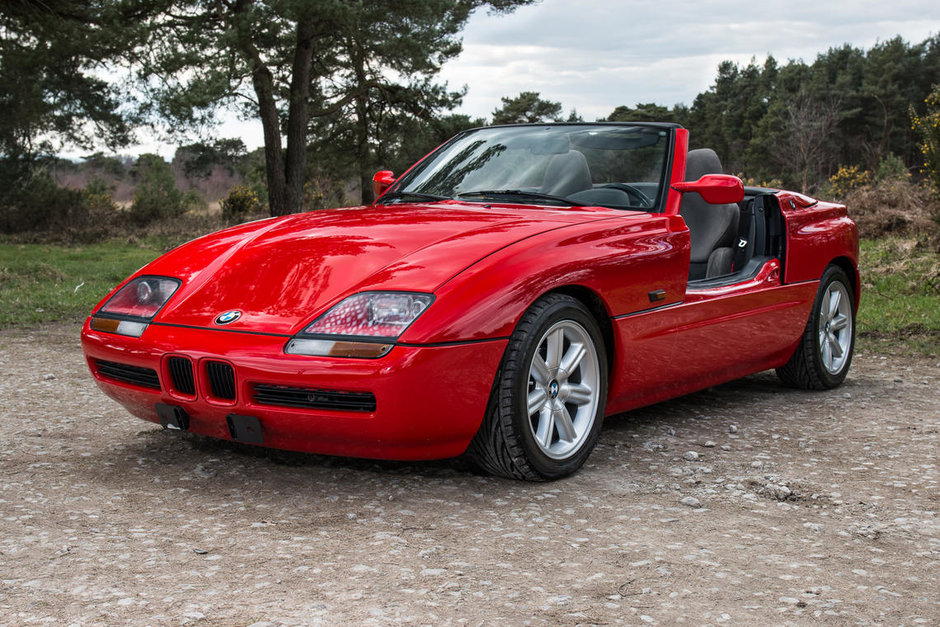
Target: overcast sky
593 55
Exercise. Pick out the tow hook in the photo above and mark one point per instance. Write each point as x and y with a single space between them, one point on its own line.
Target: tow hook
173 417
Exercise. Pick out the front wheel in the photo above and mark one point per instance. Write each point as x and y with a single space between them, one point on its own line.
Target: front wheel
822 358
548 400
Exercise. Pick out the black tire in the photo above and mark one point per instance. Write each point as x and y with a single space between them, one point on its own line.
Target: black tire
506 443
809 367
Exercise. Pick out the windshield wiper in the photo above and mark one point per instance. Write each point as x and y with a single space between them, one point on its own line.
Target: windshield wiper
404 195
518 193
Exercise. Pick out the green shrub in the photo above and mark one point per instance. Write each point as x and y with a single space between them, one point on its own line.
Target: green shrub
37 203
193 201
891 168
241 202
157 197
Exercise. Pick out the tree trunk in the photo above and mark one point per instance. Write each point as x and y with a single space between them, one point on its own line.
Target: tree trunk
363 162
263 82
273 152
297 117
362 151
285 177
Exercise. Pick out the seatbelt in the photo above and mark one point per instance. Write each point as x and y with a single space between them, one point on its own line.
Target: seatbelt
744 233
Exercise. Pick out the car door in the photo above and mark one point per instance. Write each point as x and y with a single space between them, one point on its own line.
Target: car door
727 331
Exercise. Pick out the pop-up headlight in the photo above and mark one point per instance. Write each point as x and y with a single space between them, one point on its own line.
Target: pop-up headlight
130 310
363 325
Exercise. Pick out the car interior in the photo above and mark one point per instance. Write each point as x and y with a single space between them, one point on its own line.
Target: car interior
713 228
730 243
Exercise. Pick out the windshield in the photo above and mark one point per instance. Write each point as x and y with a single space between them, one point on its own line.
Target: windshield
607 165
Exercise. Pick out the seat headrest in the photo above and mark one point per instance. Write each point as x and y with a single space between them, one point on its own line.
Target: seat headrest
700 162
566 174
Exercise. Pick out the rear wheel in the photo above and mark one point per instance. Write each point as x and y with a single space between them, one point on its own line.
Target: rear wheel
824 354
548 400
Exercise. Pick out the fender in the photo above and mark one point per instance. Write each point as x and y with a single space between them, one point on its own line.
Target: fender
632 257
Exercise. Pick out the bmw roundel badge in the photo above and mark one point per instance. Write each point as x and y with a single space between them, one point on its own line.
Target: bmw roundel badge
228 316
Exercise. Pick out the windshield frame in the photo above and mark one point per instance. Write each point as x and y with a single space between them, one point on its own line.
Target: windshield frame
413 173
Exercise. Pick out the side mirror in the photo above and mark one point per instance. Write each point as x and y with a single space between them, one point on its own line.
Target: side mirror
716 189
382 181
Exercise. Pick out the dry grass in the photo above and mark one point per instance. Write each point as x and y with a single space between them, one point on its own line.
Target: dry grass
896 208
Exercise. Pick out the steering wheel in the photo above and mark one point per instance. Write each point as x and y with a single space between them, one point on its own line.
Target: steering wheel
645 201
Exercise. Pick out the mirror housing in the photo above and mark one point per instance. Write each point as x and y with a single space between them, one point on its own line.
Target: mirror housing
715 189
382 181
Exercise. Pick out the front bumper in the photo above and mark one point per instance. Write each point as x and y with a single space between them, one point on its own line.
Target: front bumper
429 400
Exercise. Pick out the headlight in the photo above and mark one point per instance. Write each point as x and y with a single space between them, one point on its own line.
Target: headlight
132 308
363 325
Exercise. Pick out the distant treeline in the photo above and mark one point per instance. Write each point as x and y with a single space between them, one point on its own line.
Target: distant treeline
798 123
793 125
849 113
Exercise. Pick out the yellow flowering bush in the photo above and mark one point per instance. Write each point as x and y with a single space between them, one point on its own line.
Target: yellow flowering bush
847 179
750 181
241 201
928 127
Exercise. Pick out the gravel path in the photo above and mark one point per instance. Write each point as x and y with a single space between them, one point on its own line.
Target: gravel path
747 503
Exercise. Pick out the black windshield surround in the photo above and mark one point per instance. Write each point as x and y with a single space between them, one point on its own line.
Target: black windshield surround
616 165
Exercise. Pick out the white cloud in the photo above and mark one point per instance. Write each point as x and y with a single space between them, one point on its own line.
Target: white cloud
594 55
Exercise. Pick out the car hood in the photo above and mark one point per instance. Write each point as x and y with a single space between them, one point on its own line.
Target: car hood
280 273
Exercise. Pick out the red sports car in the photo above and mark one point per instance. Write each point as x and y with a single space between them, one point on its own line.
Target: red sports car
499 299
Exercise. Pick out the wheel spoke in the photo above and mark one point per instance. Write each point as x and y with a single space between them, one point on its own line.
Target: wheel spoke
563 422
536 400
546 427
824 308
835 297
836 346
540 371
572 359
827 354
579 393
555 343
838 323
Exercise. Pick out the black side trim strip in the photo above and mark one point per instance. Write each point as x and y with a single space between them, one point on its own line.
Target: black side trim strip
643 311
455 343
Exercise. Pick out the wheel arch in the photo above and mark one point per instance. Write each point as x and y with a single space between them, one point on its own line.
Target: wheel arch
598 308
851 271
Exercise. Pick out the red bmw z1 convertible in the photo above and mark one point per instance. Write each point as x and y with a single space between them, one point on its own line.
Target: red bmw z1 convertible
499 299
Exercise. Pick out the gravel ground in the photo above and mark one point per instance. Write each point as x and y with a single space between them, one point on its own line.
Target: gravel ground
744 504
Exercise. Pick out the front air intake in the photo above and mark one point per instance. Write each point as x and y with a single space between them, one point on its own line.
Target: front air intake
181 375
124 373
221 380
309 398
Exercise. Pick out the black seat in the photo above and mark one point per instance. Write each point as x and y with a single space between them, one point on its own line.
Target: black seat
566 174
713 228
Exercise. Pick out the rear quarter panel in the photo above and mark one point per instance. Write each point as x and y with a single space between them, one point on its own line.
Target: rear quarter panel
818 235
